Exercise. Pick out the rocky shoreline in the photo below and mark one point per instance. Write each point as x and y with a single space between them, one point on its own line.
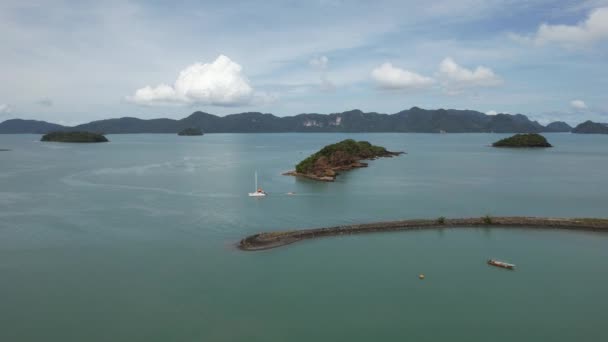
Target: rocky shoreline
330 174
270 240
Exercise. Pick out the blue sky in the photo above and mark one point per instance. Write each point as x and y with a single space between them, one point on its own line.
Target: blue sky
76 61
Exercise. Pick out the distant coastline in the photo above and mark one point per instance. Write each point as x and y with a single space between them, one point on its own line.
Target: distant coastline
413 120
270 240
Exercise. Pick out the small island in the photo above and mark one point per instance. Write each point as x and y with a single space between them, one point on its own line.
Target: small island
4 150
190 132
590 127
74 137
345 155
523 140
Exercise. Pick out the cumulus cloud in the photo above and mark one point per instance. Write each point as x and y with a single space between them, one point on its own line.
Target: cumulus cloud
578 104
219 83
5 108
388 76
593 29
456 78
491 112
319 62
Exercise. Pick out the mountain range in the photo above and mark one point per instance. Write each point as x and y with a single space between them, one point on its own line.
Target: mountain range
411 120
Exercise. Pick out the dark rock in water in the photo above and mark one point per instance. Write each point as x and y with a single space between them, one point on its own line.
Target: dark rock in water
590 127
191 132
74 137
557 126
345 155
4 150
523 140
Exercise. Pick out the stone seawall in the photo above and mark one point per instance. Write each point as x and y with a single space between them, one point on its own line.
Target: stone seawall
269 240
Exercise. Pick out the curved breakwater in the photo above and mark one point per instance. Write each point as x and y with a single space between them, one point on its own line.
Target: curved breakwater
267 240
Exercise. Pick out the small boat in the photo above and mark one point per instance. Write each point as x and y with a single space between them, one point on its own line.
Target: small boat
258 191
501 264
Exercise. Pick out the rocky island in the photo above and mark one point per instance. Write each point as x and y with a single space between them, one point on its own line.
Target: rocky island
590 127
345 155
74 137
190 132
523 140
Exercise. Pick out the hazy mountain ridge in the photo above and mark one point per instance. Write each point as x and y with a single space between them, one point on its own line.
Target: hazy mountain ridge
411 120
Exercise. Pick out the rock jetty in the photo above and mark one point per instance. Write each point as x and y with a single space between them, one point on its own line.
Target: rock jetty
269 240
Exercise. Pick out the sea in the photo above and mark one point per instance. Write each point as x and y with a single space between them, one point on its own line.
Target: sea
135 240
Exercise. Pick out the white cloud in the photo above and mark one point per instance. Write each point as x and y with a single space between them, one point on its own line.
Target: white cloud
456 78
319 62
593 29
219 83
491 112
6 109
389 77
578 104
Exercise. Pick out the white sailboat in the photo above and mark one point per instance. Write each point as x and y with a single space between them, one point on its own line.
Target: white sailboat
258 191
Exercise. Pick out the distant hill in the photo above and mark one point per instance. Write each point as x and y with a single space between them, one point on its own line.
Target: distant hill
411 120
590 127
558 126
17 126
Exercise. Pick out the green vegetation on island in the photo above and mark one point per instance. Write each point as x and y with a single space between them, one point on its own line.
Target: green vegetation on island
190 132
523 140
345 155
74 137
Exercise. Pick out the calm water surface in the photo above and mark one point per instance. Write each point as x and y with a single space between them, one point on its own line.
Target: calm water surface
134 241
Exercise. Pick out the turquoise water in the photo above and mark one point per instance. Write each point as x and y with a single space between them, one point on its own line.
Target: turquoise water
134 241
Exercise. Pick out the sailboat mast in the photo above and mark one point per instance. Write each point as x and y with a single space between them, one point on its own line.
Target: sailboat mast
256 181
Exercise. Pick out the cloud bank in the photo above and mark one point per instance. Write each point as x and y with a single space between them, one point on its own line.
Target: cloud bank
220 83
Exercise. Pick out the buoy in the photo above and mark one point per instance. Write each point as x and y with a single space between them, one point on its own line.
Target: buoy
421 276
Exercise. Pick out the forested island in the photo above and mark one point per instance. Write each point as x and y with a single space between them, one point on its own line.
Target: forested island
523 140
590 127
190 132
345 155
74 137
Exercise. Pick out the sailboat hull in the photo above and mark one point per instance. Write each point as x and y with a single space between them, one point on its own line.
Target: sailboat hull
257 194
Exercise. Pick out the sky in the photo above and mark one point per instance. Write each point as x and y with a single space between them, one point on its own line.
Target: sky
72 62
